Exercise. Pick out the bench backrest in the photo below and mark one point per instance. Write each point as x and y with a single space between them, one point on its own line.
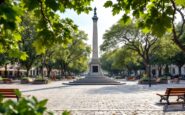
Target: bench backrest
175 91
9 93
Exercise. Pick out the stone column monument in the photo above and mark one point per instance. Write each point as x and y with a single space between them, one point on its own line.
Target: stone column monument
95 75
94 66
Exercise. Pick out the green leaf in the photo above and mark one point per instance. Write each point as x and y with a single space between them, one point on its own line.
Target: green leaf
43 102
17 36
126 19
145 30
31 4
40 49
52 4
18 93
115 10
180 2
66 112
23 56
62 8
1 48
108 4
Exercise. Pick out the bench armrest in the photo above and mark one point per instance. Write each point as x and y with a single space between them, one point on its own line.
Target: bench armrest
161 94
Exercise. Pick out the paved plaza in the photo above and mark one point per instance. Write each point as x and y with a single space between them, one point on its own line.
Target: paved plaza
128 99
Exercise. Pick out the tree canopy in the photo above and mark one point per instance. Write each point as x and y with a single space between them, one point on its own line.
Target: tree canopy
49 27
155 16
133 38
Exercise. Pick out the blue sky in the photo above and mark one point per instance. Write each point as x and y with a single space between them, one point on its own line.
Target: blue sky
84 21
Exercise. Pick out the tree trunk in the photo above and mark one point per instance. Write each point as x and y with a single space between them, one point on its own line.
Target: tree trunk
166 69
37 71
6 71
48 71
65 70
160 70
150 77
27 72
41 71
147 69
62 72
18 72
176 40
179 67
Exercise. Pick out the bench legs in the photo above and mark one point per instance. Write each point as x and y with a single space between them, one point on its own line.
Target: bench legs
183 105
183 99
163 98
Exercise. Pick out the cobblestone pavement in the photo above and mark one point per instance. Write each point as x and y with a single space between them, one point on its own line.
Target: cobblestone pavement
128 99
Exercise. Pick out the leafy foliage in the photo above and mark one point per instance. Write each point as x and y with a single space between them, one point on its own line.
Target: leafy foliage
153 16
107 60
49 27
166 50
25 106
133 38
120 60
74 56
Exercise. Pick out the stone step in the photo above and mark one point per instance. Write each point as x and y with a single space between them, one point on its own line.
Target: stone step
95 81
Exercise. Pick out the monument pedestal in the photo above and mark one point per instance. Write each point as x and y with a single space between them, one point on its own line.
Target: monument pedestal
95 68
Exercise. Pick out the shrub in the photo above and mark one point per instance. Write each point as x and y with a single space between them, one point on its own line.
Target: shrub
40 78
25 80
66 113
144 77
25 106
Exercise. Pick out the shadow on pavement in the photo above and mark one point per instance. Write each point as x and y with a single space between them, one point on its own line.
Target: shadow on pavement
47 88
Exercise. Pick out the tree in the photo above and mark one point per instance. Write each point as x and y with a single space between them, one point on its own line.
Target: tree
133 38
79 66
120 60
72 53
51 29
107 60
178 59
28 35
166 49
146 13
49 60
126 59
4 61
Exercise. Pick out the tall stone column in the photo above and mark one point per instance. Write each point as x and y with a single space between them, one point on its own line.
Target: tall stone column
95 36
94 66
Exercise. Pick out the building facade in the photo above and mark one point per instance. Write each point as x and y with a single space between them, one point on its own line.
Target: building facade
173 70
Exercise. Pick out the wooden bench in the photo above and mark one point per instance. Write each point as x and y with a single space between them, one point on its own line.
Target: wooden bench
178 92
9 93
7 80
